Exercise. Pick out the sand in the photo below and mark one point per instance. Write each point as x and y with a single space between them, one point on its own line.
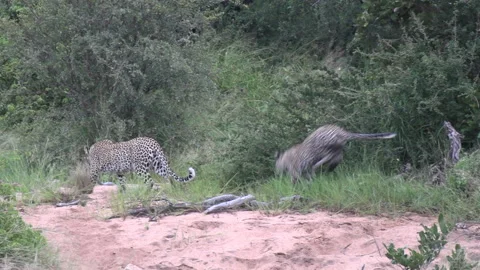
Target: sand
234 240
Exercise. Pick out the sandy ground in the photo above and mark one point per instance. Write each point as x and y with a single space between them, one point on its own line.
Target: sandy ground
236 240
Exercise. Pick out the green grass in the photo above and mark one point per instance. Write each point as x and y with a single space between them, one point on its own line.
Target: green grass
35 183
139 194
33 177
21 247
371 192
366 192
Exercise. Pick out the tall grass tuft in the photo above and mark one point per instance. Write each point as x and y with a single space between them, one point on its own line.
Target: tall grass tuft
21 247
370 191
32 174
79 178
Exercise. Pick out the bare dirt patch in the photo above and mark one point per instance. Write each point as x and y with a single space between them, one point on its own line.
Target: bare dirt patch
238 240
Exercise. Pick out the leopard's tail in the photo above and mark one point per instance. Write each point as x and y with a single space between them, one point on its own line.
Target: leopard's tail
190 177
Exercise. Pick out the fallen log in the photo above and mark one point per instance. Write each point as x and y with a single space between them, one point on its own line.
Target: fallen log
455 142
230 204
211 205
219 199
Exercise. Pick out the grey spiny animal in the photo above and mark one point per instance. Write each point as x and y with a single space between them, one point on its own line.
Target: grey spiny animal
323 147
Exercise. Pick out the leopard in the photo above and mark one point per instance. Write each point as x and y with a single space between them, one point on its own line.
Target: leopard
140 155
322 148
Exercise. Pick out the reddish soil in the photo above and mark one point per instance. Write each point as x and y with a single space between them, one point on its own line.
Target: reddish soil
236 240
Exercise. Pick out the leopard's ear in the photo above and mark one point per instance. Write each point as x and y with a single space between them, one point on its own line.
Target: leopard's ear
277 154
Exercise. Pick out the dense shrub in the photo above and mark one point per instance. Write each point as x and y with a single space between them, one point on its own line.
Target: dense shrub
313 26
465 176
386 19
414 88
110 69
410 90
121 69
305 100
18 241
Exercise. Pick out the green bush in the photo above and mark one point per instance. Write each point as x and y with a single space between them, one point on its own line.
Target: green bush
457 260
304 26
431 243
384 19
410 90
414 89
465 175
18 241
136 71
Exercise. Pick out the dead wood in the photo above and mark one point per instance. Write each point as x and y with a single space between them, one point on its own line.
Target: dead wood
212 205
219 199
230 204
455 143
438 171
62 204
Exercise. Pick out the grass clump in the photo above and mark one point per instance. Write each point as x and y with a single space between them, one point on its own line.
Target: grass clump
33 175
465 176
36 177
79 178
364 190
18 240
20 246
76 186
369 191
22 181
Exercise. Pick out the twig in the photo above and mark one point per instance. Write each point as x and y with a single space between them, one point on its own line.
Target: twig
378 248
211 205
61 204
230 204
345 248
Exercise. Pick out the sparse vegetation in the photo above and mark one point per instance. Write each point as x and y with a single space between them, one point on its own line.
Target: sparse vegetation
431 242
465 176
458 261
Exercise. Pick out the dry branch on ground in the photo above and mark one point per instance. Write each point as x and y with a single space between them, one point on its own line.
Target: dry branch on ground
212 205
215 204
